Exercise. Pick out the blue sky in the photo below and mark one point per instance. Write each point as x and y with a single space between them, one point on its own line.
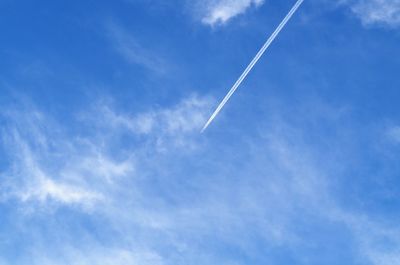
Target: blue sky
101 157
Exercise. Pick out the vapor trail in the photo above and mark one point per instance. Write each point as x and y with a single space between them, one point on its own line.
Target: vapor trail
253 62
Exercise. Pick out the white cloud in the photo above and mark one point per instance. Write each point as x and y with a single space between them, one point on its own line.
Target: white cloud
377 240
47 189
185 117
130 49
383 12
28 181
95 255
394 134
158 203
221 11
165 127
48 166
139 202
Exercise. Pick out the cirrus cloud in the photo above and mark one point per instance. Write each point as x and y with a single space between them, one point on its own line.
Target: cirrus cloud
377 12
221 11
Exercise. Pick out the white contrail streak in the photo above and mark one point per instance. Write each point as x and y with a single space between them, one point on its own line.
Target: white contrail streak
253 62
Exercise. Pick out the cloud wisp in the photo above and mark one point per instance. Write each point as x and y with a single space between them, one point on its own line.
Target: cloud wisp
253 62
377 12
159 207
394 134
221 11
133 51
50 167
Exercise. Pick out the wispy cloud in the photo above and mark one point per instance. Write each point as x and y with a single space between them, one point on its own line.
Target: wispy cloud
28 181
377 242
98 255
48 166
186 116
377 12
394 134
132 50
221 11
163 127
173 201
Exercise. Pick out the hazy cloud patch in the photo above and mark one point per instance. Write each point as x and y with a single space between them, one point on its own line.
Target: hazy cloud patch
377 12
214 12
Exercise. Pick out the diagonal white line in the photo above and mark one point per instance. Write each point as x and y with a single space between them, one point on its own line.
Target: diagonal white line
253 62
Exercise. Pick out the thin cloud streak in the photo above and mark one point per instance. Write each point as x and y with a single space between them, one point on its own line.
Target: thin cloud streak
253 62
130 49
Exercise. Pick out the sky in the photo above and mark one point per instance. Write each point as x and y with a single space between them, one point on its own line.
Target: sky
101 157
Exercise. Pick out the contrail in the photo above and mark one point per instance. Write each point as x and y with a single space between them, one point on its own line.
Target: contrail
253 62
